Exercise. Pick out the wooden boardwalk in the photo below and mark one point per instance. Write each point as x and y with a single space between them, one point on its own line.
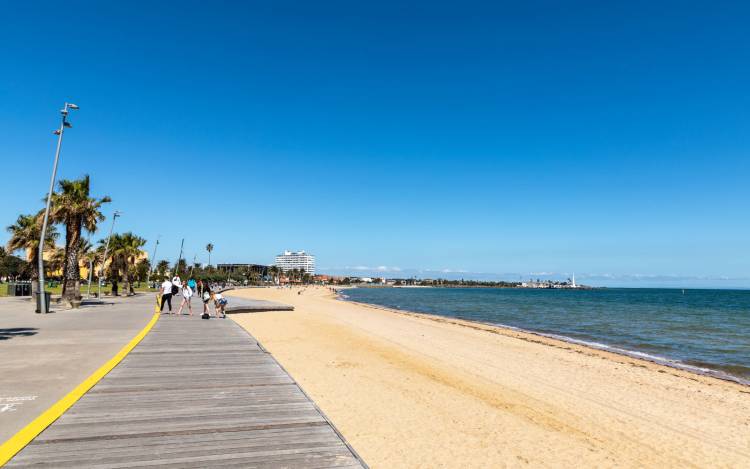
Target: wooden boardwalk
193 393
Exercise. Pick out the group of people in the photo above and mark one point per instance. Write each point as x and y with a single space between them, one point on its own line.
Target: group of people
187 289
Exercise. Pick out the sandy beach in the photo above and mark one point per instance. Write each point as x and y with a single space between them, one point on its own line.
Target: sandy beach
411 390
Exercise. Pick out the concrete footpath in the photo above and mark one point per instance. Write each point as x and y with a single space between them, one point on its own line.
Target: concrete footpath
43 357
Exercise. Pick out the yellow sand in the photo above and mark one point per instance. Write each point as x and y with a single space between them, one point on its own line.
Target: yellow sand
411 390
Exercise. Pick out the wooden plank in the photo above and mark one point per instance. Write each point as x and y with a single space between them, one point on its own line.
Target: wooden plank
193 393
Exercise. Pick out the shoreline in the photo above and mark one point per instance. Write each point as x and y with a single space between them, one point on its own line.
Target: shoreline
599 347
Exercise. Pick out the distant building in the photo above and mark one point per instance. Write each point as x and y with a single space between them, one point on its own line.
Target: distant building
296 260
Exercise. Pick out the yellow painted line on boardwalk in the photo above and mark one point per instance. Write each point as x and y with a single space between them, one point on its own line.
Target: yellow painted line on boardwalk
18 441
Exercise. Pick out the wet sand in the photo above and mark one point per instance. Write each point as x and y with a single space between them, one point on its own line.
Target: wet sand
412 390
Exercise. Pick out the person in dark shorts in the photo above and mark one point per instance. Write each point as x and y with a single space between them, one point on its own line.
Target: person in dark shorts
206 297
166 295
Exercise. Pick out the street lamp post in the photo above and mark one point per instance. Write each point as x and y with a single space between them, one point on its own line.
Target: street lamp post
151 267
177 266
63 124
91 268
106 249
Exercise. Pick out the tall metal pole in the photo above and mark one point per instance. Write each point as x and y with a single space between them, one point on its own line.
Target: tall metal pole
106 250
91 273
176 266
64 123
151 267
91 267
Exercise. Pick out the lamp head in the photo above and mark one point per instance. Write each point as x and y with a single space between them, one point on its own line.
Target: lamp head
73 106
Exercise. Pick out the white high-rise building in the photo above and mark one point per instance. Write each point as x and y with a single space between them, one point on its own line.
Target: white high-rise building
296 260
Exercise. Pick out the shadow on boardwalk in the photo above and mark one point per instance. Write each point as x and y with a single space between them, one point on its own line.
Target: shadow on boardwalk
12 332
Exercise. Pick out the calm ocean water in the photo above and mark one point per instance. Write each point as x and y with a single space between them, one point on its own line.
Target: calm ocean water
703 330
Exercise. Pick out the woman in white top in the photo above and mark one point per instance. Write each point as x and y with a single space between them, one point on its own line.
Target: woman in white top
187 294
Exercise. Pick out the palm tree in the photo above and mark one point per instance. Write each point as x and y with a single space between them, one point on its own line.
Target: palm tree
142 268
274 271
25 234
130 251
74 208
161 268
89 256
181 268
55 262
209 248
124 252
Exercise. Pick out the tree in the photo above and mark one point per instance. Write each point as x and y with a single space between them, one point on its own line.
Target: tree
125 250
25 234
132 252
162 267
74 208
274 271
181 268
142 269
12 267
209 248
55 262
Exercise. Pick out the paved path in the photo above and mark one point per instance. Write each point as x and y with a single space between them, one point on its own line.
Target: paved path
193 393
44 356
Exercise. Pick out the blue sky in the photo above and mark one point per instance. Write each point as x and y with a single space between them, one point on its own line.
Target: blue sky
473 139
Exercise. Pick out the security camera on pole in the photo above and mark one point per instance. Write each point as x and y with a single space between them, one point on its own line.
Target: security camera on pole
42 306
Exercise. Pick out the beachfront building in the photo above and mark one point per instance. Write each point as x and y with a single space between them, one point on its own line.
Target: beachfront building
296 260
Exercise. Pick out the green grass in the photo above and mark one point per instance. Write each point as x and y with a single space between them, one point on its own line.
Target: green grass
106 289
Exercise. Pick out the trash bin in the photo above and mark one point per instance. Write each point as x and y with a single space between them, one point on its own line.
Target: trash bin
47 297
18 289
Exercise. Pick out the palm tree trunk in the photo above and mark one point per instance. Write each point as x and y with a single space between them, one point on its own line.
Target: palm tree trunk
126 277
71 269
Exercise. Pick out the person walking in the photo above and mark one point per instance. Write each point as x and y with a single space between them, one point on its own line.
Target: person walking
187 295
166 295
199 287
